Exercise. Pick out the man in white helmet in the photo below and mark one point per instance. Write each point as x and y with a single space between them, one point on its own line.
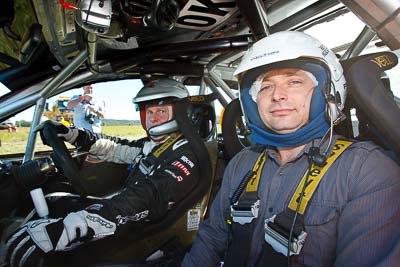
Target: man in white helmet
164 171
301 196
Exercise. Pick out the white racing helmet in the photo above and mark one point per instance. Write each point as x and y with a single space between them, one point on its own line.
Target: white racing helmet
295 49
291 49
159 92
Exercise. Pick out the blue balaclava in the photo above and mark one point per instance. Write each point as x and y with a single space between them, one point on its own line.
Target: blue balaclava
317 125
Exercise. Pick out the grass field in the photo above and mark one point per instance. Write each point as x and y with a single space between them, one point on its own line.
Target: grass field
16 142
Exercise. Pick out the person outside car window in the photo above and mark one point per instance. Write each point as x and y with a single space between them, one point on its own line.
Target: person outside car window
88 111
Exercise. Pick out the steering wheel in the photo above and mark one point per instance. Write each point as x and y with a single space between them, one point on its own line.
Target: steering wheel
235 134
62 158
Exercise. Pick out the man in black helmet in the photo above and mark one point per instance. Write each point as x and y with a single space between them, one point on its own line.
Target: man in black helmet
153 186
301 196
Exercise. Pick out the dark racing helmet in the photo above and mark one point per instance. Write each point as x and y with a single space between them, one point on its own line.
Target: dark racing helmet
160 92
293 50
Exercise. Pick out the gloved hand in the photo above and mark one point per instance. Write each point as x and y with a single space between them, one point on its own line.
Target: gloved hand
65 133
30 242
36 238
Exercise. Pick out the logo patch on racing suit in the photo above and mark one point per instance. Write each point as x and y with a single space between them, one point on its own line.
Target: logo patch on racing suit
187 161
137 217
98 219
177 177
182 167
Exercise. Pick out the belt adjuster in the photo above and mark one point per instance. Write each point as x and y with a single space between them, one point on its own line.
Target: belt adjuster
243 214
277 237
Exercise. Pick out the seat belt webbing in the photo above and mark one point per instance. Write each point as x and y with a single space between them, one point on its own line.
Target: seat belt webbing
236 254
147 164
239 248
316 174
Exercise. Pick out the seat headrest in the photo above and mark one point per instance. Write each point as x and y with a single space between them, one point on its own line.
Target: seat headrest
370 95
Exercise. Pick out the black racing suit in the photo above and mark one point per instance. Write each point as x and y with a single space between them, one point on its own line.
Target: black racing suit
145 197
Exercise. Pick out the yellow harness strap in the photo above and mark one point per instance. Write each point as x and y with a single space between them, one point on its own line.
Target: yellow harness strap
252 184
315 176
166 145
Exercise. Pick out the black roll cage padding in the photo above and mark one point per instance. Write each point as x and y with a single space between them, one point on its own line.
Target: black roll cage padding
363 76
175 68
123 60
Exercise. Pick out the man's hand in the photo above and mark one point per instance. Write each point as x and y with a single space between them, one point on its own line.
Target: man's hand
88 97
33 240
93 108
65 133
30 242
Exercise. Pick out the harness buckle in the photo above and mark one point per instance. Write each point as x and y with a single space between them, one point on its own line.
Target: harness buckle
146 165
243 214
278 237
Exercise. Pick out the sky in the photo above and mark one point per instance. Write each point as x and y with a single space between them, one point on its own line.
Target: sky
119 106
117 96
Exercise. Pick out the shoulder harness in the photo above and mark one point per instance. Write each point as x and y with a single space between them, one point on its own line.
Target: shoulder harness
147 164
245 206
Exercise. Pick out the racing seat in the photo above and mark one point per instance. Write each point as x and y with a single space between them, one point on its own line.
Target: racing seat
369 94
234 133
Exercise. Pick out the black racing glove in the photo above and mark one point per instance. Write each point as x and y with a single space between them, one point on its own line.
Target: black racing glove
65 133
